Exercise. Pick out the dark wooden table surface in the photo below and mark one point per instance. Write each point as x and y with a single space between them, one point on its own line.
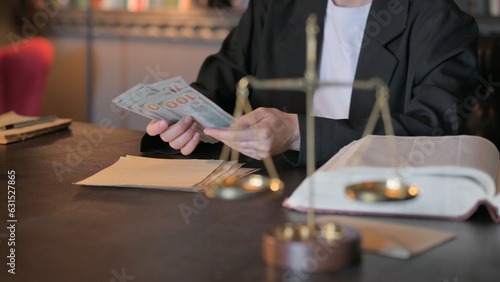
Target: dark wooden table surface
66 232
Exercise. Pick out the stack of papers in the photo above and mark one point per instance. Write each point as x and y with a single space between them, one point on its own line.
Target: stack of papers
165 174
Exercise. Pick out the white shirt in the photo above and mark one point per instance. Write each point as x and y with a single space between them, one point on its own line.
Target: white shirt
343 36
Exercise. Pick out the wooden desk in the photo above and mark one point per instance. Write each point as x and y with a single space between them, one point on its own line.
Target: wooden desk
67 232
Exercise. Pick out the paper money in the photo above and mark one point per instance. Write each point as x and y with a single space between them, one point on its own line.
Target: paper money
172 99
174 85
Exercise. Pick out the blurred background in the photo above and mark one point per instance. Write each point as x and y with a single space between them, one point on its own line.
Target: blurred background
97 49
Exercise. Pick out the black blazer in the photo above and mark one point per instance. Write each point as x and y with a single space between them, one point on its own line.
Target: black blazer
425 50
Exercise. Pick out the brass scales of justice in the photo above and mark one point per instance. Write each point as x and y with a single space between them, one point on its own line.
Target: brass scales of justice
290 245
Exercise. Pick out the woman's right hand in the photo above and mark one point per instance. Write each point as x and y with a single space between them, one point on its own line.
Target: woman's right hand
181 135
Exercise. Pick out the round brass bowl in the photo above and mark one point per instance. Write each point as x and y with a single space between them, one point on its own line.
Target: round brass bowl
394 189
246 187
324 248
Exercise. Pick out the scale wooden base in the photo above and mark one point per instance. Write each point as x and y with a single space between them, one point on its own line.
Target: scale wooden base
319 249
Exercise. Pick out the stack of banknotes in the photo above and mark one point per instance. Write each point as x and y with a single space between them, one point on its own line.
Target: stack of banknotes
172 99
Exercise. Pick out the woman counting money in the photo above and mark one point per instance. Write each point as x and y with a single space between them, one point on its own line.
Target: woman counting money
424 50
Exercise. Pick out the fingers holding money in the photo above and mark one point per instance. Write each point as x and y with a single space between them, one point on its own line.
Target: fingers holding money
181 135
156 127
191 144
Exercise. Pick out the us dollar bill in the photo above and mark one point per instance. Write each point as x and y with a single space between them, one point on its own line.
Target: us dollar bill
172 99
175 84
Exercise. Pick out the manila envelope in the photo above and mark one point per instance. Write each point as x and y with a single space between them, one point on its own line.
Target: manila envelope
393 240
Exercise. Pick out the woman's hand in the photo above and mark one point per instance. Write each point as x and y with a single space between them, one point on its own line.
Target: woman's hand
274 132
181 135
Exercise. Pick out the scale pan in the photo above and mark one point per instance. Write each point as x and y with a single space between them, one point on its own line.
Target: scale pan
246 187
394 189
